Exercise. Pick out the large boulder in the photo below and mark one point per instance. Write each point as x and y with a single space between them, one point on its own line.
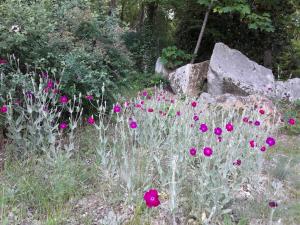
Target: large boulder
189 79
232 72
288 90
161 69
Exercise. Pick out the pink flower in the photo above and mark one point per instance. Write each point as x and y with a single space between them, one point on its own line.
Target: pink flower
91 120
145 93
117 108
196 118
207 151
203 127
229 127
150 110
273 204
172 101
193 151
261 111
178 113
292 121
63 99
50 84
194 104
270 141
151 198
252 143
245 119
63 125
3 109
218 131
126 104
237 162
219 139
142 102
3 61
257 123
133 125
263 149
89 97
138 106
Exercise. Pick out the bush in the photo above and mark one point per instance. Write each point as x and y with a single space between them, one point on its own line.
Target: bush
173 57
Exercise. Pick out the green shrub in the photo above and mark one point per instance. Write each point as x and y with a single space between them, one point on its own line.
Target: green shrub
173 57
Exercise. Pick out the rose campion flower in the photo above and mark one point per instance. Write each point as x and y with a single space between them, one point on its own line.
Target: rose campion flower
50 84
229 127
245 119
270 141
151 198
263 148
193 151
237 162
150 110
63 99
257 123
63 125
218 131
219 139
292 121
91 120
273 204
3 109
145 93
207 151
194 104
89 97
133 125
203 127
126 104
178 113
196 118
117 108
262 112
252 143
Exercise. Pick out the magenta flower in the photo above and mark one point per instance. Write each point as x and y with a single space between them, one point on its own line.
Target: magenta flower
292 121
3 109
89 97
151 198
142 102
145 93
237 162
218 131
172 101
252 143
150 110
133 125
50 84
273 204
193 151
3 61
91 120
257 123
263 149
63 125
245 119
126 104
229 127
117 108
178 113
261 111
219 139
270 141
196 118
138 105
203 127
194 104
63 99
207 151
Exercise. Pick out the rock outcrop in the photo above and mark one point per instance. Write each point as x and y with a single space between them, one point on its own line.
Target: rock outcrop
161 69
189 79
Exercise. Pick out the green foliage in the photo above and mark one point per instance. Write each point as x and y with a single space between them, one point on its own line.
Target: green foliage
291 110
172 57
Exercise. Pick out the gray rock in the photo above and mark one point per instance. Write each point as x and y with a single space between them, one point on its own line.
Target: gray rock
232 72
189 79
289 90
161 69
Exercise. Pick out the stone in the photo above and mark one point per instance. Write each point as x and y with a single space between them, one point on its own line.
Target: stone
189 79
232 72
161 69
288 90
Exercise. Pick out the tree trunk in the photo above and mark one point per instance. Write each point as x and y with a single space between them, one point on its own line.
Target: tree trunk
201 32
141 18
112 7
